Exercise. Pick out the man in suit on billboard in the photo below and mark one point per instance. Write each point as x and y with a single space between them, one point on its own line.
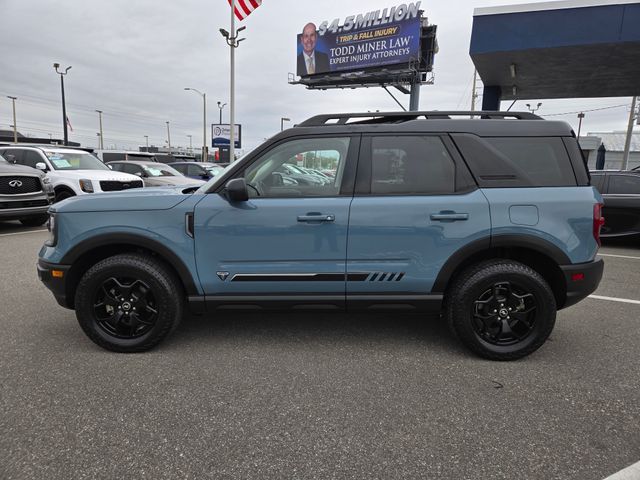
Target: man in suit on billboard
311 61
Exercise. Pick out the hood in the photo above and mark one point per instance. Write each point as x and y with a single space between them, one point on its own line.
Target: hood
11 169
162 198
97 175
169 181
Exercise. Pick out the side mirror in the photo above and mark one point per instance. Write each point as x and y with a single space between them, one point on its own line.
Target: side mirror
237 190
138 174
41 166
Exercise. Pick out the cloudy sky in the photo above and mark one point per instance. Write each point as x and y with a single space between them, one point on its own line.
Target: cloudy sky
132 59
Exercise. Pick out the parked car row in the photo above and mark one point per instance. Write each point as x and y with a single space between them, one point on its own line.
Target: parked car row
53 173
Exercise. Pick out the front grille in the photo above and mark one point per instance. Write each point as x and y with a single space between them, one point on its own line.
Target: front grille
15 185
114 185
23 204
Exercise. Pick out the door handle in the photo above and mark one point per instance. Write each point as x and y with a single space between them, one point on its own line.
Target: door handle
449 216
316 218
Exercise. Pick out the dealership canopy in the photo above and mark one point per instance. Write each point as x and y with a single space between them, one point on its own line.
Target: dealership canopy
565 49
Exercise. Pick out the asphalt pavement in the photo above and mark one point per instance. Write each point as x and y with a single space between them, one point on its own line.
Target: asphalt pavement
314 395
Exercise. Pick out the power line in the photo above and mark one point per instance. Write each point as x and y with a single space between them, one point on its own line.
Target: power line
585 111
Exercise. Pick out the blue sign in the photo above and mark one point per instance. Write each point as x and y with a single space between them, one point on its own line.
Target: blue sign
221 133
373 40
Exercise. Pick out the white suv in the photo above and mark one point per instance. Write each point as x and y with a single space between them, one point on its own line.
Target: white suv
71 172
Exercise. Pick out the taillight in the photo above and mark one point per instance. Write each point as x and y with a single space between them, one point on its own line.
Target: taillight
598 221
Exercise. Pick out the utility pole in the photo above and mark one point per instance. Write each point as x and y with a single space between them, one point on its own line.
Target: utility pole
627 143
169 138
15 127
233 42
474 93
580 117
101 140
64 106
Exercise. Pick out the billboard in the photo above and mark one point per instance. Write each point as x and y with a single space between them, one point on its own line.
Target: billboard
371 40
221 133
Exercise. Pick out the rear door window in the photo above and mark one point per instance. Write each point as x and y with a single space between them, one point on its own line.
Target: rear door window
624 184
544 160
411 165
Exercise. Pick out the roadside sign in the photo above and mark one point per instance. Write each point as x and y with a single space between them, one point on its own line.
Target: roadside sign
220 134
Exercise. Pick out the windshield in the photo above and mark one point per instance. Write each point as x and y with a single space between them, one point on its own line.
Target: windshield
161 171
74 161
213 169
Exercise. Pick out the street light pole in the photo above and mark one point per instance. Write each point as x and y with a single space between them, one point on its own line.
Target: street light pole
282 120
233 42
101 140
169 138
15 127
190 143
532 109
146 137
221 106
204 123
64 106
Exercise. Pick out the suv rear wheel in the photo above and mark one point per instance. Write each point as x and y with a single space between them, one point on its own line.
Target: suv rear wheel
128 303
501 309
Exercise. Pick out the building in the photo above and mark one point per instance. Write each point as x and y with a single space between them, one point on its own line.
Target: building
614 143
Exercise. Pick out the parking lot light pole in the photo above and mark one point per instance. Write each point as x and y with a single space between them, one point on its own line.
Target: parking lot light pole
101 140
204 123
146 138
282 120
233 42
15 128
64 107
220 107
169 138
190 143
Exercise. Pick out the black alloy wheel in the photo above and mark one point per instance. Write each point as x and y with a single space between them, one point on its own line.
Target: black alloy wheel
501 309
504 314
125 307
129 302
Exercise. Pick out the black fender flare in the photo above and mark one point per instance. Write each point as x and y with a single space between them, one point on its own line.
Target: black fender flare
529 242
163 251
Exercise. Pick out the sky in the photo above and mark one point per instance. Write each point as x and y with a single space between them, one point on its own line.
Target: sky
133 59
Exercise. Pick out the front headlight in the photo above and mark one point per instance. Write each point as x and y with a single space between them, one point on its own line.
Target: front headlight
51 226
86 186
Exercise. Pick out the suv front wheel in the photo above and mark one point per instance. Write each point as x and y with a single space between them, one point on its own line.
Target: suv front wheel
501 309
128 302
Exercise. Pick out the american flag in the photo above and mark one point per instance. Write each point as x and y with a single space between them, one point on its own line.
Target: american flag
245 7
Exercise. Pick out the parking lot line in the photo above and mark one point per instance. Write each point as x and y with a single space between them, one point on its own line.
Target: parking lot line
615 299
22 233
617 256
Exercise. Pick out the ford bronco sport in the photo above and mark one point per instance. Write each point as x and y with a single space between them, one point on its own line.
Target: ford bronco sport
491 221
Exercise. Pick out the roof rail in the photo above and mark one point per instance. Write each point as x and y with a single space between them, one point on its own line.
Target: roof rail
400 117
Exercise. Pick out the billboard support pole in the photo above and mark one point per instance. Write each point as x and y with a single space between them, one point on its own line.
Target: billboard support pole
414 99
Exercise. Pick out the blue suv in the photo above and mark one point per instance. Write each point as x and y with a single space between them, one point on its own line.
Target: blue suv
491 221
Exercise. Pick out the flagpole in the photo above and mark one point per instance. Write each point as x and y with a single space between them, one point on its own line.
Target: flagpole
232 86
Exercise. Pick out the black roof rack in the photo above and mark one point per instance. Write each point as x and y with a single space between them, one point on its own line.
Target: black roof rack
400 117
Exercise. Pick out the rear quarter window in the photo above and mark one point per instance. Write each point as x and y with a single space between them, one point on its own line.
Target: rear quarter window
544 160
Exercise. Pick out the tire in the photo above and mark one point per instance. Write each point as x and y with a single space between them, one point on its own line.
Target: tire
62 195
477 309
129 303
34 221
